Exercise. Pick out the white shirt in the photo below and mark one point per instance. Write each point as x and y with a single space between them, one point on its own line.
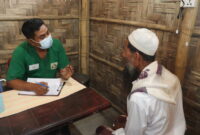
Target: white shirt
149 116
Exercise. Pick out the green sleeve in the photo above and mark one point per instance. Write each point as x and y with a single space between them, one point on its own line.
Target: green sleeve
16 68
63 60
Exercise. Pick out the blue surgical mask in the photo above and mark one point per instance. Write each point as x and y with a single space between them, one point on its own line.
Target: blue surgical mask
46 43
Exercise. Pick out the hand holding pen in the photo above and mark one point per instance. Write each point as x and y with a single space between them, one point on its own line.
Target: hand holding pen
41 88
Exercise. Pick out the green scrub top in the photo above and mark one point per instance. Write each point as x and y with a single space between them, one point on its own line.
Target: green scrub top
26 62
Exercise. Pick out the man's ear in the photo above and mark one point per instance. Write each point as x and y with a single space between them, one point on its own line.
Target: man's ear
137 55
137 58
30 41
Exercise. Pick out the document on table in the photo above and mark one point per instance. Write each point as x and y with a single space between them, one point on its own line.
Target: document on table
54 86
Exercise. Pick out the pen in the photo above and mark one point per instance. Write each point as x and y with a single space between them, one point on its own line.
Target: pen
61 85
42 85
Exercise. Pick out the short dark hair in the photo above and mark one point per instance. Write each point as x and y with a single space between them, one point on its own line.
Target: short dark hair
31 26
144 56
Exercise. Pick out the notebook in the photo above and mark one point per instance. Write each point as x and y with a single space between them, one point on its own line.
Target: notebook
54 86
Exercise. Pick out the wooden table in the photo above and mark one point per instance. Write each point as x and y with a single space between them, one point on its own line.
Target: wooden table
42 118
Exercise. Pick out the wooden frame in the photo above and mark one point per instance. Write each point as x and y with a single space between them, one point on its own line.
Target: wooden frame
187 28
84 50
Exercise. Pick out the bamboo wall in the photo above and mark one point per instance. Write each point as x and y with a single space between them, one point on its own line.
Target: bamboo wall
191 85
61 16
111 21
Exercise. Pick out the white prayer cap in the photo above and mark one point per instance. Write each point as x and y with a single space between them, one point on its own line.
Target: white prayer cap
144 40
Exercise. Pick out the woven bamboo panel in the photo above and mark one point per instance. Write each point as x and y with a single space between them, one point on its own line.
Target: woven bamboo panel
151 11
67 30
39 7
107 39
192 83
106 42
104 78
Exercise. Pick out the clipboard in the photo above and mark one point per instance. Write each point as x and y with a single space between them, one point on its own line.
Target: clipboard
55 86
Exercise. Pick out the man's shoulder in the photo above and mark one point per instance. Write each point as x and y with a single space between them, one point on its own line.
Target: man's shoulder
57 45
167 71
168 75
21 48
56 42
141 97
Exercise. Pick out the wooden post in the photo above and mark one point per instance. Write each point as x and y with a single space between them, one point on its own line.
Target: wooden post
184 40
84 56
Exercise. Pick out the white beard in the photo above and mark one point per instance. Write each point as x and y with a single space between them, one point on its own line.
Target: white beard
131 68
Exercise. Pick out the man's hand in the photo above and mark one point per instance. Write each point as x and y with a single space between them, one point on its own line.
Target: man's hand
104 130
67 72
23 85
39 89
120 122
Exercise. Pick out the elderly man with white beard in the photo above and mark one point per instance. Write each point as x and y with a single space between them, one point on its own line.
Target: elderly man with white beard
154 105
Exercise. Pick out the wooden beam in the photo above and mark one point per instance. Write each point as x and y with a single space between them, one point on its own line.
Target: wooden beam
84 36
79 38
119 68
134 23
22 18
186 29
196 32
72 53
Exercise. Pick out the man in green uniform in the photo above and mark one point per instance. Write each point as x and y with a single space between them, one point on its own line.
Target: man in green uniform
40 56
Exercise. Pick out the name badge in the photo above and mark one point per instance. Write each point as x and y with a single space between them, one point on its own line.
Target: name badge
54 65
33 67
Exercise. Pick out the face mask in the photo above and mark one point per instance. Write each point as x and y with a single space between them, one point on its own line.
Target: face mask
45 43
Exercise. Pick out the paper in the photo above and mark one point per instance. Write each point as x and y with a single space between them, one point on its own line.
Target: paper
54 84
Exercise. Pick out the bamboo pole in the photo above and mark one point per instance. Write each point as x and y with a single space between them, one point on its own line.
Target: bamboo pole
79 38
184 39
21 18
85 36
134 23
72 53
119 68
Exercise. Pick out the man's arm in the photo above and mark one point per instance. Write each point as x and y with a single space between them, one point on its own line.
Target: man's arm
66 70
137 117
104 130
120 122
23 85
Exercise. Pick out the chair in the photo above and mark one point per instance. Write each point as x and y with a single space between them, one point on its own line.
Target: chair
3 86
